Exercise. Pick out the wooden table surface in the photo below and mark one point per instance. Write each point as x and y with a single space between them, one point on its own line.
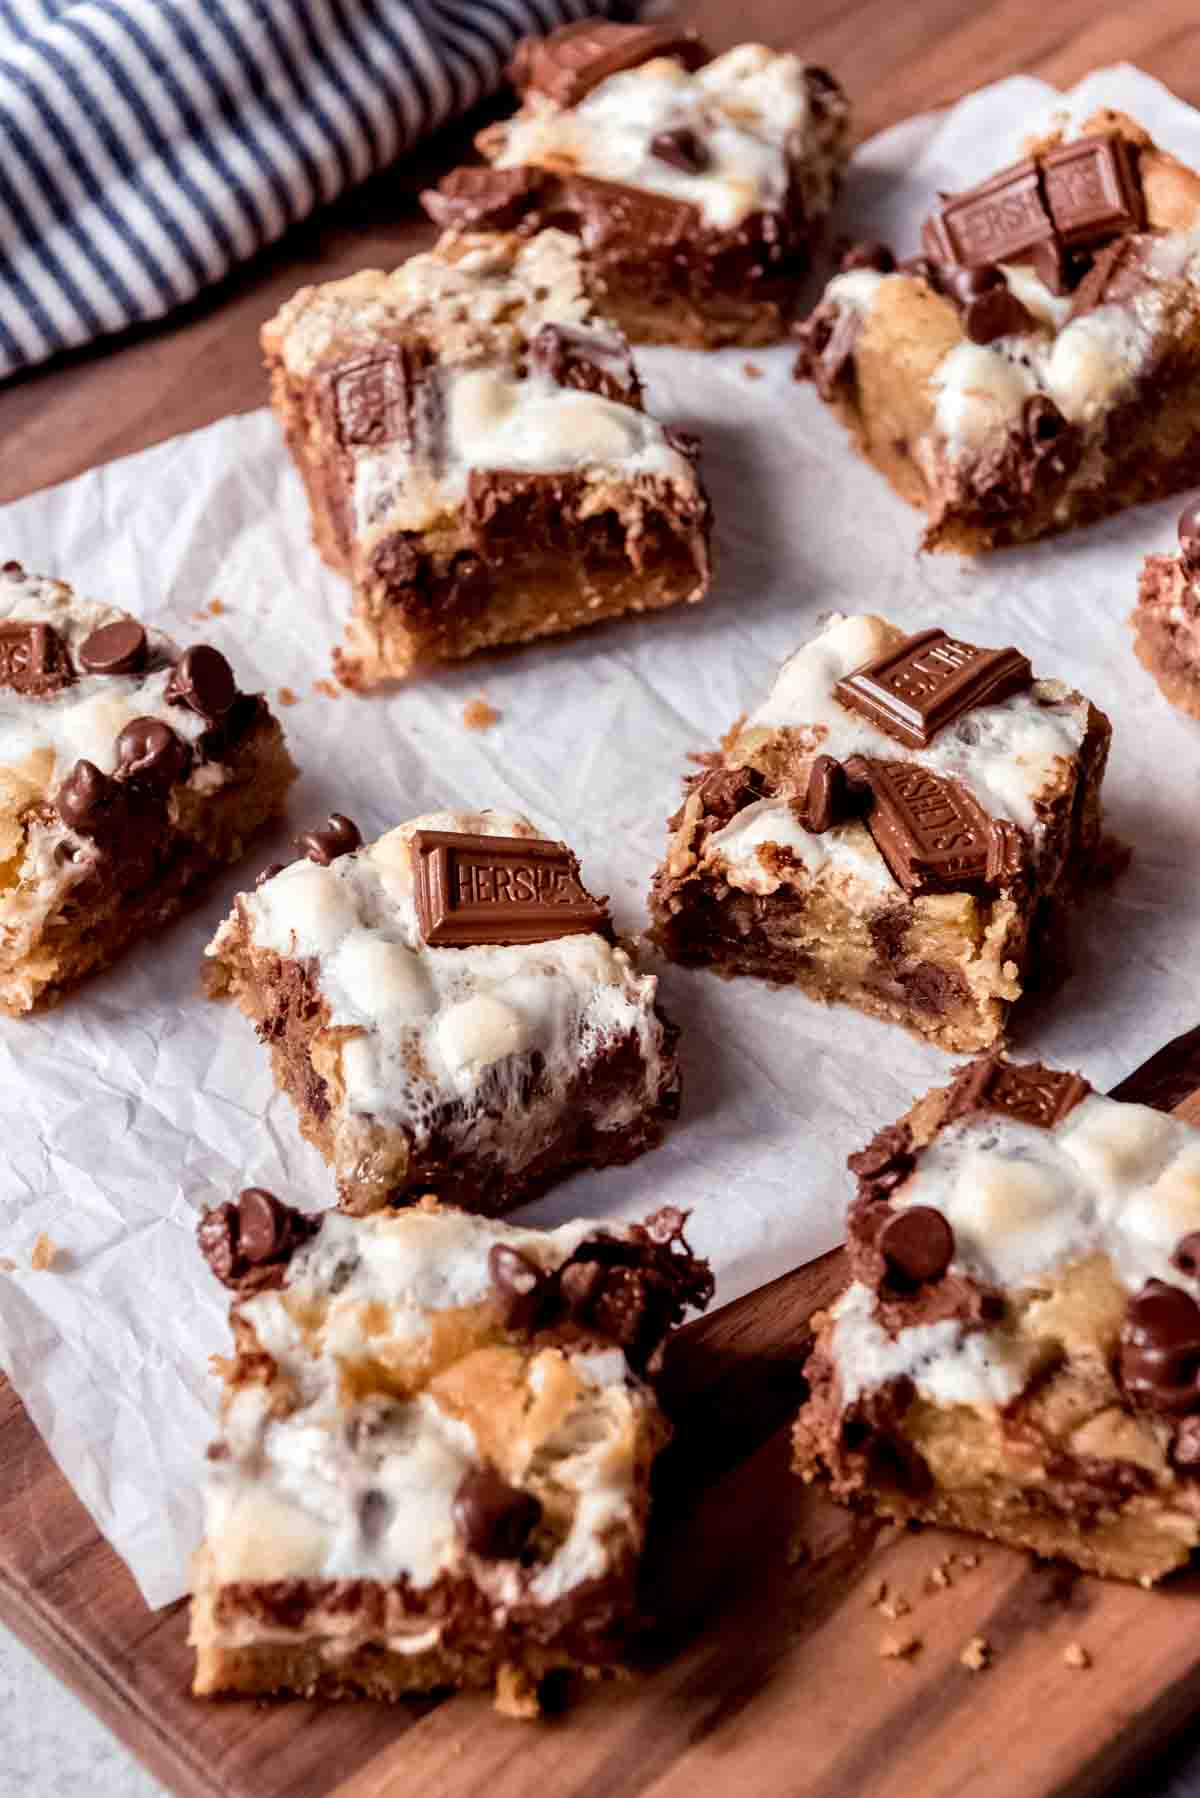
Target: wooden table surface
895 58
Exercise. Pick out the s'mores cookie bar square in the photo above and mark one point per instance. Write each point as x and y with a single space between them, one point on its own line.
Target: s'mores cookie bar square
696 184
478 460
1018 1350
448 1011
129 773
1166 619
1037 366
902 825
436 1441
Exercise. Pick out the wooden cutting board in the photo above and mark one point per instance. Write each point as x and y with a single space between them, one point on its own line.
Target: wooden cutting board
766 1676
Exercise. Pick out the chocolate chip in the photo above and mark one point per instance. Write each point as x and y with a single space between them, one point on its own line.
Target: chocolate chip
1041 420
494 1519
520 1285
867 254
269 873
339 837
966 284
262 1225
1189 535
885 1163
374 1513
118 648
917 1243
149 749
1187 1255
681 149
996 313
581 1283
1160 1349
84 797
827 798
203 680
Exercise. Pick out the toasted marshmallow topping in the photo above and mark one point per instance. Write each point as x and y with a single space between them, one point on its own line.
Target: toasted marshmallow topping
749 110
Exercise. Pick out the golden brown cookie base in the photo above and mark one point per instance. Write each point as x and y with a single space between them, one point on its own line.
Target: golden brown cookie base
1141 1539
722 321
1168 648
534 598
211 831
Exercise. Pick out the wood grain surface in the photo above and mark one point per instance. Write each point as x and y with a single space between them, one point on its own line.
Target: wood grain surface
765 1674
896 58
768 1677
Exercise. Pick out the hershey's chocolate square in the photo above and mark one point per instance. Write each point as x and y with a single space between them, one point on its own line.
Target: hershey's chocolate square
1001 220
1092 189
1029 1092
387 397
573 60
928 681
33 659
491 890
931 832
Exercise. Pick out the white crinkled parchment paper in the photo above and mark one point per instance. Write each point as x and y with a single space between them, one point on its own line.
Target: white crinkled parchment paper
137 1103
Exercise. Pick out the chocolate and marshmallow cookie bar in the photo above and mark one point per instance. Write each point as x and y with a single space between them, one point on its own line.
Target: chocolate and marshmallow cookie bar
1037 366
436 1440
478 460
448 1011
129 773
901 825
696 184
1166 619
1017 1350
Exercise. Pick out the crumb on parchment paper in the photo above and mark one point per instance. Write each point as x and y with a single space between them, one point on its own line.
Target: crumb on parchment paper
898 1647
44 1254
752 371
327 689
287 697
477 714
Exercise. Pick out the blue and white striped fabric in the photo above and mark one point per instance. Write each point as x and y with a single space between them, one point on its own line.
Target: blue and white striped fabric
146 146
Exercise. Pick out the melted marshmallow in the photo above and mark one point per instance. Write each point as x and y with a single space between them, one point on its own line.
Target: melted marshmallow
495 421
750 108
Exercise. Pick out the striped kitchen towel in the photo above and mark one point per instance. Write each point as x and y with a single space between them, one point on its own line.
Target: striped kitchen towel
146 146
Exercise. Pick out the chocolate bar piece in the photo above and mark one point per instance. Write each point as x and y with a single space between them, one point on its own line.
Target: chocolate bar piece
1001 220
478 458
932 834
1038 366
472 889
448 1011
573 60
1092 190
435 1446
930 680
134 774
1015 1354
929 881
696 186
